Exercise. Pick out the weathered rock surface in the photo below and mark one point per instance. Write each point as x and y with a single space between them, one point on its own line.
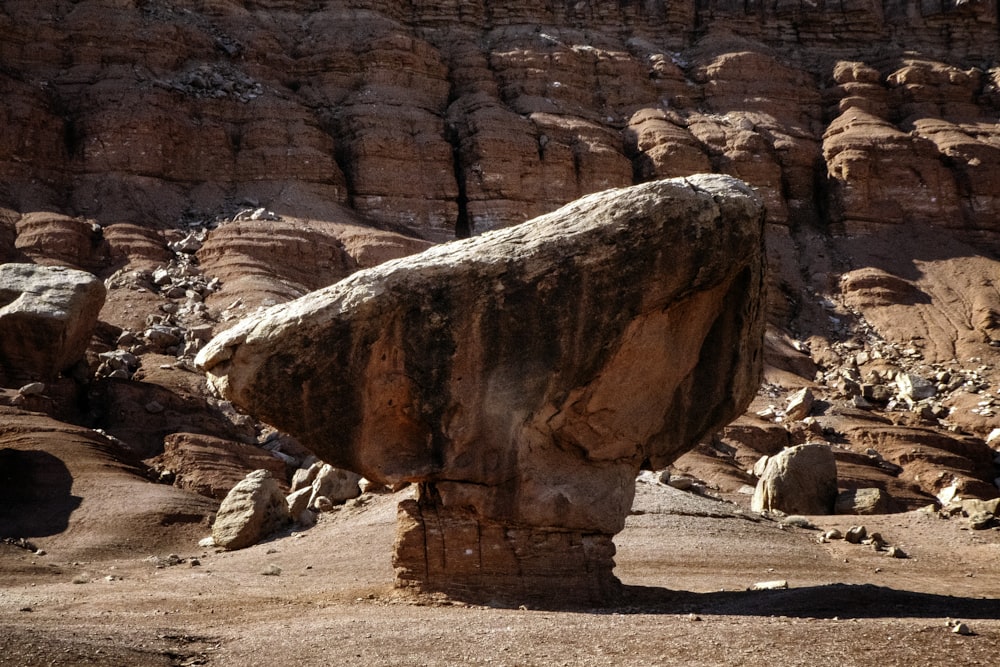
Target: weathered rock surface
863 501
47 316
798 480
523 376
252 510
211 466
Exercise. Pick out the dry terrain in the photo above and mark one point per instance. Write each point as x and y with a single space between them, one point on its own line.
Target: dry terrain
686 562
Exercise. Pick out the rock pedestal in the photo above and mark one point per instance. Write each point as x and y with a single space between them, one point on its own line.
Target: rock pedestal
522 377
454 551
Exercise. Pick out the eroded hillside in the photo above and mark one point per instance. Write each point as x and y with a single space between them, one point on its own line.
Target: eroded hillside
206 158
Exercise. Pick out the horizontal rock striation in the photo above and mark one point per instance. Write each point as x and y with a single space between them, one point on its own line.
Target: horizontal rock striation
522 377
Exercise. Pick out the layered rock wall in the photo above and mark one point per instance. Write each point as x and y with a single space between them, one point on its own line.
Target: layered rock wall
522 377
461 117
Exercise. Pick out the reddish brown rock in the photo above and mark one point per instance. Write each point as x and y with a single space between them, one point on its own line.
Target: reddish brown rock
522 377
212 466
272 261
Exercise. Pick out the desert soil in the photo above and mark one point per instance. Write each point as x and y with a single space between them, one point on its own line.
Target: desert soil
686 562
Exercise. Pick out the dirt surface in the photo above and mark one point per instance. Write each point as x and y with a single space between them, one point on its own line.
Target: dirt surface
686 562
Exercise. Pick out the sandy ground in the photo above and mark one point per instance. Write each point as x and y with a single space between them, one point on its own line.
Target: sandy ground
686 562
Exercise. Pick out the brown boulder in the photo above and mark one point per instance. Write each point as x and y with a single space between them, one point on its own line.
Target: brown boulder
524 376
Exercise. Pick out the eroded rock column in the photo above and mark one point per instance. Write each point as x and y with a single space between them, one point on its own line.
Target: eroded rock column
521 378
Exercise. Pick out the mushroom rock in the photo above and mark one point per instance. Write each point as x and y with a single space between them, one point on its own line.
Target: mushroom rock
522 378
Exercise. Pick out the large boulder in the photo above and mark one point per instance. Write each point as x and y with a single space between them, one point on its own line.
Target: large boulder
47 316
252 510
522 377
798 480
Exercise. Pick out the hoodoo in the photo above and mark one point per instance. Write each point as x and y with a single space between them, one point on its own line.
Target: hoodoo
522 378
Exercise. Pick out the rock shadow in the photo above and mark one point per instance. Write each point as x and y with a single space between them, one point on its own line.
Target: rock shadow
36 497
843 601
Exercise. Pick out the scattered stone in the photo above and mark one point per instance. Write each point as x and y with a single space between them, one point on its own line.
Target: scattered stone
833 534
896 552
252 510
306 518
47 317
981 520
799 521
82 578
271 570
680 482
855 534
321 504
298 501
207 542
876 541
777 584
799 404
798 480
914 388
960 628
336 484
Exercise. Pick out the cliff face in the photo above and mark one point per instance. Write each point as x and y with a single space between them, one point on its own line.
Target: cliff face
257 150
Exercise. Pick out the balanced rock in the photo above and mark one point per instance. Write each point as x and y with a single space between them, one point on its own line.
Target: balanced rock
336 484
521 377
798 480
47 316
252 510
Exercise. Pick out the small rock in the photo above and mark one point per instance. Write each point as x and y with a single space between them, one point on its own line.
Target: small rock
206 542
799 404
32 389
798 521
896 552
154 408
680 482
862 501
322 504
913 387
980 520
855 534
876 541
774 585
960 628
271 570
833 534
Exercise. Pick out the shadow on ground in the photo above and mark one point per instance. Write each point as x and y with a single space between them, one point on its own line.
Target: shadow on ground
35 494
842 601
